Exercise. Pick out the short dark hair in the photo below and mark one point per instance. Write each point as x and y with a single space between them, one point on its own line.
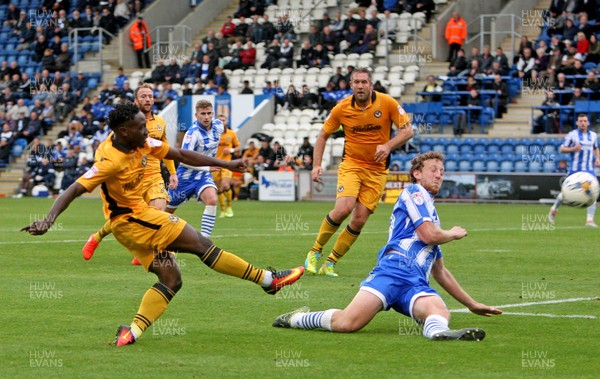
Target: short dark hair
582 115
122 114
361 70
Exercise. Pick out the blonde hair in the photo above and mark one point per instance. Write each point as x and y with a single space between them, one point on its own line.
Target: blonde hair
419 161
203 104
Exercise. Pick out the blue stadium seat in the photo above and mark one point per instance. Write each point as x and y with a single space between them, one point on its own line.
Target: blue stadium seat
506 166
425 147
22 60
464 165
451 165
465 148
492 166
452 148
439 147
93 83
478 165
407 165
480 145
535 166
550 148
494 145
520 166
549 166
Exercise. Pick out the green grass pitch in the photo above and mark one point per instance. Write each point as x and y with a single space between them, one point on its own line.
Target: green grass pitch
60 312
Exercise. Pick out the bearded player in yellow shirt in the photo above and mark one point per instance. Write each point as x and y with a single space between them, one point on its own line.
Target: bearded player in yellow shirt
148 233
366 118
153 185
228 145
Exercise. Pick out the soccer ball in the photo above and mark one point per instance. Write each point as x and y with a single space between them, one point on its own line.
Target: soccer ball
580 190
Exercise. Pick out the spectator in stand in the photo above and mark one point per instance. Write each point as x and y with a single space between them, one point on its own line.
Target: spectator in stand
502 59
211 88
306 54
525 44
33 128
368 42
69 165
171 71
594 51
285 29
583 45
320 57
432 87
547 122
219 77
79 85
248 55
471 84
286 54
266 157
63 60
497 69
388 25
7 138
525 66
246 90
102 133
556 23
207 69
127 91
473 70
228 28
501 102
108 22
197 53
65 103
12 16
486 59
48 62
291 98
456 33
121 78
330 40
273 54
379 87
39 48
47 115
305 149
591 83
26 37
458 64
139 34
353 39
255 31
186 90
212 52
19 107
314 36
236 60
221 45
121 13
268 29
241 29
569 31
584 27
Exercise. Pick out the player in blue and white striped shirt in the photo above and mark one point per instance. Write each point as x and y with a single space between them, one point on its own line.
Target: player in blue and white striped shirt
401 278
582 144
202 137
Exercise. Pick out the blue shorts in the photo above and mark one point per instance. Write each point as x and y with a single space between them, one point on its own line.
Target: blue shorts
397 283
190 187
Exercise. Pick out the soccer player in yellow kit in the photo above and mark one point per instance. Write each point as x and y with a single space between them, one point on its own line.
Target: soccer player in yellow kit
366 118
153 185
228 145
148 233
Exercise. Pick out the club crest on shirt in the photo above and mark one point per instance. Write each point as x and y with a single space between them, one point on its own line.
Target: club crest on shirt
144 161
173 218
159 128
377 114
418 198
340 188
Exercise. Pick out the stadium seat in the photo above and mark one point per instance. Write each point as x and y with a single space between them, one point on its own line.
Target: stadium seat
451 165
452 148
549 166
535 166
506 166
478 165
464 165
480 145
520 166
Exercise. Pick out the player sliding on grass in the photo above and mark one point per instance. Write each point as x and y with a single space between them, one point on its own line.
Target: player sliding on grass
150 234
401 278
153 186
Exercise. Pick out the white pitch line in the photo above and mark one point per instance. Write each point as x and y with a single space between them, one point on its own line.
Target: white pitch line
516 305
547 315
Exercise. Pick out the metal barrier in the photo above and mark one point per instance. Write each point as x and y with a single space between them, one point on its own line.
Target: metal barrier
489 33
98 40
170 41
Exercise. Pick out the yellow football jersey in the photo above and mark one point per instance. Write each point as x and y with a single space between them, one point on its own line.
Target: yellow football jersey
157 128
365 129
228 141
119 171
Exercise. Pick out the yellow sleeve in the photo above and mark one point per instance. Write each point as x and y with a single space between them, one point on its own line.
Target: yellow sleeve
332 124
398 114
97 174
235 142
170 166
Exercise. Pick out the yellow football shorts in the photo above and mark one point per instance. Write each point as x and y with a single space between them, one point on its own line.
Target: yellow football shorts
146 233
222 173
153 187
363 184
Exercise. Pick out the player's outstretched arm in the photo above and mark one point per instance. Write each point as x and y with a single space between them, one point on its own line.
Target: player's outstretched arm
196 159
430 234
40 227
445 278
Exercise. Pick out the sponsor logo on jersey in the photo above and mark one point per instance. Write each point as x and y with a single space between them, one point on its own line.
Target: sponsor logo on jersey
91 172
418 198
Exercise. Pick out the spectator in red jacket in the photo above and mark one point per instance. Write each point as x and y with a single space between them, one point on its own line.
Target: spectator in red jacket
248 55
228 28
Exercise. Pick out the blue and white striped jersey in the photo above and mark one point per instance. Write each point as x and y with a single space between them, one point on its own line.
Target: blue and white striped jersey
583 160
203 141
413 207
